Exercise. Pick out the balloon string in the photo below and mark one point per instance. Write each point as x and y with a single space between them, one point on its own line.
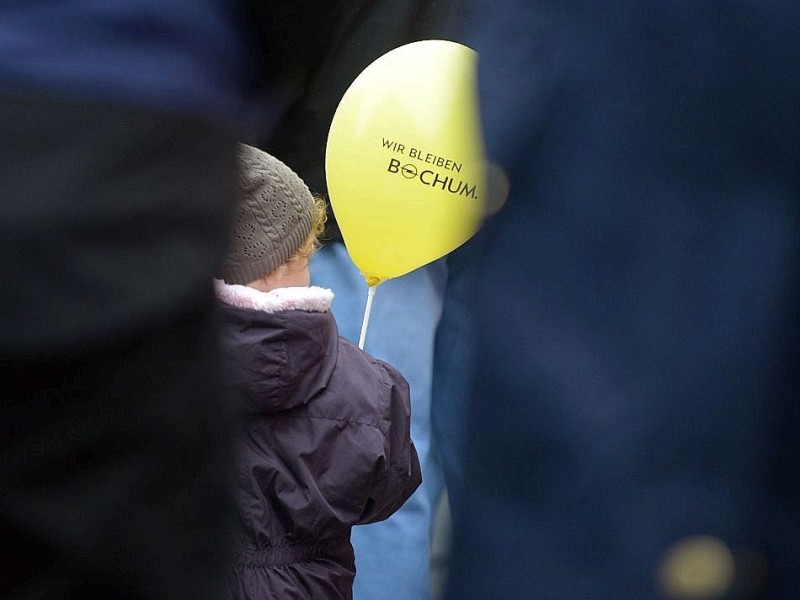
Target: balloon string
367 310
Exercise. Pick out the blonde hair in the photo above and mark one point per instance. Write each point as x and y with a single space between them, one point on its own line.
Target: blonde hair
318 219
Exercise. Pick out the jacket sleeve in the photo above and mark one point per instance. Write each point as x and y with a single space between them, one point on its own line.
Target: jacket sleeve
397 473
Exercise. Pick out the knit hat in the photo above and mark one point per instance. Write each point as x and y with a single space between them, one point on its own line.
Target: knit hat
272 220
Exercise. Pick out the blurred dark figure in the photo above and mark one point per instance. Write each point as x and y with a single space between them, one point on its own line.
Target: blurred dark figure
635 421
118 124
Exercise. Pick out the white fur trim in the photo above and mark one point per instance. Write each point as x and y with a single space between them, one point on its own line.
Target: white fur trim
311 299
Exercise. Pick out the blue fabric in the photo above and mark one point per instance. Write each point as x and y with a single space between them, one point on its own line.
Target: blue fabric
454 365
393 557
188 56
636 302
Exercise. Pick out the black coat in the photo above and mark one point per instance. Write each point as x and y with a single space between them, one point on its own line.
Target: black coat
324 444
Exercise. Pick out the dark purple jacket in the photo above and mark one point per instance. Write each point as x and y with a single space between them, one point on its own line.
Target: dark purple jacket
324 443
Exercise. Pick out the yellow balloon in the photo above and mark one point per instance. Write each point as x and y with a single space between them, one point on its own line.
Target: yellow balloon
404 160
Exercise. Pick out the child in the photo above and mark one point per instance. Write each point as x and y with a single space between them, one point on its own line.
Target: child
324 441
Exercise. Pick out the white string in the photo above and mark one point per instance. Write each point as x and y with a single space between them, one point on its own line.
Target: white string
367 310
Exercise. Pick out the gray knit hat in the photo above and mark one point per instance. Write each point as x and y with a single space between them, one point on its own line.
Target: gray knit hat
272 220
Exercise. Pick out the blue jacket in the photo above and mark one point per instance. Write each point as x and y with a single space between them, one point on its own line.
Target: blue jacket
636 302
187 56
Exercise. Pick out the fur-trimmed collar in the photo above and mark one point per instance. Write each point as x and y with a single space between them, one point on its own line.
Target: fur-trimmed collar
311 299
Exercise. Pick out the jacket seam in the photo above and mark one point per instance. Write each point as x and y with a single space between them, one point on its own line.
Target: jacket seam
336 419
